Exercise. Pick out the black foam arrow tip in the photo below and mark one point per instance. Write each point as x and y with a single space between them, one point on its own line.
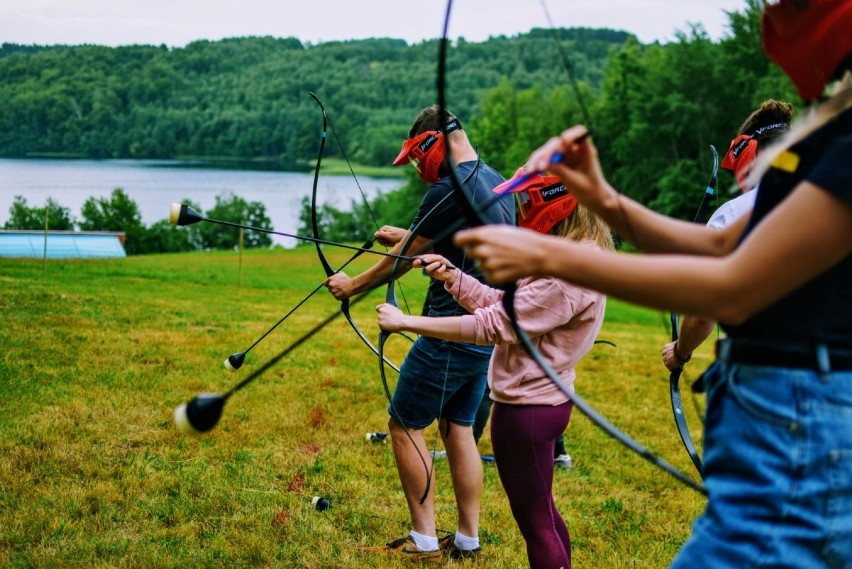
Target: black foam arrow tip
235 361
182 214
201 414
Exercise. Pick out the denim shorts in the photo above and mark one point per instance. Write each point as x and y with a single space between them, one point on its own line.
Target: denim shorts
439 379
777 468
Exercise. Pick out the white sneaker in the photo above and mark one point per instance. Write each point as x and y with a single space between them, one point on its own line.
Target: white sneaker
438 453
563 461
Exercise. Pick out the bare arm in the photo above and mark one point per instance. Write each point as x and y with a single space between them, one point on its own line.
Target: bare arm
388 235
807 234
650 231
392 319
343 286
693 331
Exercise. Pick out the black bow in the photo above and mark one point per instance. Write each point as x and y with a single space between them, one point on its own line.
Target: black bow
508 297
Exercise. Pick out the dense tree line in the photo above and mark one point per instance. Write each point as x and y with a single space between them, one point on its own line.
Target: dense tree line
120 213
248 97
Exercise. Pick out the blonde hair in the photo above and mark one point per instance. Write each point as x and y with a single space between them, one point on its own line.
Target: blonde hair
839 100
583 225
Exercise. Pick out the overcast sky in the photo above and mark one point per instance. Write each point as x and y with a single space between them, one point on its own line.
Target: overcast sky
178 22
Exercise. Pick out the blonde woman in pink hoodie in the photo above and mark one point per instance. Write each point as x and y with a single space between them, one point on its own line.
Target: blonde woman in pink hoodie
529 410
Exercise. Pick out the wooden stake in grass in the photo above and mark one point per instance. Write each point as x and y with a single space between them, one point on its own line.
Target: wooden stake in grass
242 234
44 259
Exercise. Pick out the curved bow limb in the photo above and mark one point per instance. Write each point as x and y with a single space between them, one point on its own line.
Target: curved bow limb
674 376
329 271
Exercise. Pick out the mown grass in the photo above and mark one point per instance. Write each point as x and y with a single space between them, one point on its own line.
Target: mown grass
339 167
97 354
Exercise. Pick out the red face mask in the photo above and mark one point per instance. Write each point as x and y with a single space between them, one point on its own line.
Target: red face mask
739 158
809 44
742 152
427 152
543 201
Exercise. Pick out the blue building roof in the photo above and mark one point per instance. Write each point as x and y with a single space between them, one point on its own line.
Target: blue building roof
61 244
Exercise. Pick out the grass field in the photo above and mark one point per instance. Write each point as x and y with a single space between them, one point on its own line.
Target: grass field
97 354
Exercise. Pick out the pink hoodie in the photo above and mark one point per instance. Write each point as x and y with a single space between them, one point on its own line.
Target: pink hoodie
562 319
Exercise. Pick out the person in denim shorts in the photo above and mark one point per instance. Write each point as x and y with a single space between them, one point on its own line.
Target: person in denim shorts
530 411
438 380
778 427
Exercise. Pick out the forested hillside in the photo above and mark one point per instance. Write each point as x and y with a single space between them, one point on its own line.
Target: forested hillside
248 97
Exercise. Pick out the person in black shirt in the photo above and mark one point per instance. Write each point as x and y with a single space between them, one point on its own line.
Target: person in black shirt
438 379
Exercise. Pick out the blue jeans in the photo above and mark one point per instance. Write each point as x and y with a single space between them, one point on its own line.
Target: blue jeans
439 379
777 468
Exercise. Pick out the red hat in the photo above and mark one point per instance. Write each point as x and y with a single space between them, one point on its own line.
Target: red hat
543 202
808 43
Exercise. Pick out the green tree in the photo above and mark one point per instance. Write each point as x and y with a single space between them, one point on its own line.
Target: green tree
116 213
235 210
23 217
496 128
247 97
163 237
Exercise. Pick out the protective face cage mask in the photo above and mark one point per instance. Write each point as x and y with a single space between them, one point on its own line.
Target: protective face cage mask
743 151
542 201
427 151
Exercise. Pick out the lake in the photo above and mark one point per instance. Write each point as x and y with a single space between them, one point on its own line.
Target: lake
155 184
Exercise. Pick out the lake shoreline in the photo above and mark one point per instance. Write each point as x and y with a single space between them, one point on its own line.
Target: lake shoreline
155 184
330 166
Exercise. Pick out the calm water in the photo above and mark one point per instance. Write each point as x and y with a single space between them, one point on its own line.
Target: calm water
153 185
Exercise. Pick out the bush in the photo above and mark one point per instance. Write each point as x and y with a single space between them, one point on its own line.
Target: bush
23 217
235 210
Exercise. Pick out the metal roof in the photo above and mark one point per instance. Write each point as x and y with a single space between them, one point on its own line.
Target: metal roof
61 244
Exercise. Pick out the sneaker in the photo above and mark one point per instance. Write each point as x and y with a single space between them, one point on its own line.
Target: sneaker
438 453
447 544
405 548
563 461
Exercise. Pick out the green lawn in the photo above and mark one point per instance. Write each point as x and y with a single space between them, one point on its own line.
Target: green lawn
97 355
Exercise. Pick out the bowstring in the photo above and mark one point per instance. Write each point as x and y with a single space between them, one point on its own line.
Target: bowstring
584 109
456 312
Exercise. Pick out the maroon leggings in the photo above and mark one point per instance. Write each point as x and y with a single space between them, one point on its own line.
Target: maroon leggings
523 437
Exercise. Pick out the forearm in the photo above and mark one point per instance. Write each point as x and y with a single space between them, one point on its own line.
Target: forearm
809 234
656 233
443 328
472 294
693 331
641 279
646 229
381 271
